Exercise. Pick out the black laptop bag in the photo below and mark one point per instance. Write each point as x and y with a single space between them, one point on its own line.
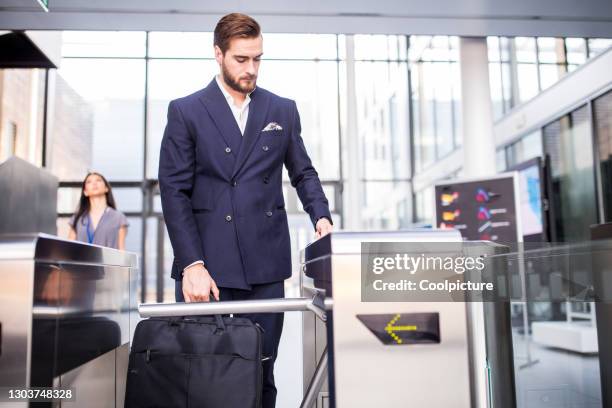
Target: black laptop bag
203 362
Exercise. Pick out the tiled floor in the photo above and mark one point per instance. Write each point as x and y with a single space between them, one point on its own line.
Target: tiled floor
559 379
288 367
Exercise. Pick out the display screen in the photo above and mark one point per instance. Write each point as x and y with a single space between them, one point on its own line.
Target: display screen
531 200
481 210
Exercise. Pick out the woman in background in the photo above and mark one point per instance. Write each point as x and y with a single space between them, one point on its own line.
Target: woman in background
97 220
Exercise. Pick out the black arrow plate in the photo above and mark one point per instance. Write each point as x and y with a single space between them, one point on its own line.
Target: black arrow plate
403 328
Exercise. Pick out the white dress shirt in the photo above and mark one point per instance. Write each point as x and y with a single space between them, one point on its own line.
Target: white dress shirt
241 114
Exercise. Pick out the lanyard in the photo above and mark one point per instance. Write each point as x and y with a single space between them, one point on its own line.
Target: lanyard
92 234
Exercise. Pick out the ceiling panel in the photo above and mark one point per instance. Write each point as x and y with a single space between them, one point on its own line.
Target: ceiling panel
464 17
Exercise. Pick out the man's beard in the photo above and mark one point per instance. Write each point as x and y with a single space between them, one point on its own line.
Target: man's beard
235 84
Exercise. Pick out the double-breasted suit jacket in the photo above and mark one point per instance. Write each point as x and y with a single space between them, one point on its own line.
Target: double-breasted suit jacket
221 191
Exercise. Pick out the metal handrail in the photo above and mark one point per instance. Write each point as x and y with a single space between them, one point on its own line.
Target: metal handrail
316 304
233 307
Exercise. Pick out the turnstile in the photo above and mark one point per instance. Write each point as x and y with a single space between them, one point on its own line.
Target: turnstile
65 317
362 371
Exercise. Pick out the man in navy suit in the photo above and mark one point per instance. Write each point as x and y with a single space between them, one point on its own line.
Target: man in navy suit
220 177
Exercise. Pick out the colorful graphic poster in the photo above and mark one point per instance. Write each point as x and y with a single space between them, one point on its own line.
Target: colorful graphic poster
479 209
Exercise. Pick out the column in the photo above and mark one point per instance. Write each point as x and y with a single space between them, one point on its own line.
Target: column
352 195
478 140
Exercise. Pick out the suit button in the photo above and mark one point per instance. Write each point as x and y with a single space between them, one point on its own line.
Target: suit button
269 213
266 180
234 183
228 218
265 148
228 150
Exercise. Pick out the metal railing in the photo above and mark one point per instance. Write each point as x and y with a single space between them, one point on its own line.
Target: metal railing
316 304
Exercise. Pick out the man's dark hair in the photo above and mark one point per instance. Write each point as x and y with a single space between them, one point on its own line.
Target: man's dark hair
235 25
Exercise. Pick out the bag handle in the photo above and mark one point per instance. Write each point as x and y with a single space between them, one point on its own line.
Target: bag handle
218 319
220 324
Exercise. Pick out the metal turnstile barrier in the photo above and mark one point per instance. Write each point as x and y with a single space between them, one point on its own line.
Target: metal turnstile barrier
362 371
66 317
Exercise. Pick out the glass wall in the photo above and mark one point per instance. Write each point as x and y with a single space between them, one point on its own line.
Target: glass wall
581 191
602 108
521 67
101 99
425 206
568 142
500 75
597 45
576 192
435 97
381 81
109 112
526 148
555 348
178 71
107 104
552 60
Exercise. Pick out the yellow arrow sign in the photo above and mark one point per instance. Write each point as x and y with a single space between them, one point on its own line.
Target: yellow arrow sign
403 329
390 328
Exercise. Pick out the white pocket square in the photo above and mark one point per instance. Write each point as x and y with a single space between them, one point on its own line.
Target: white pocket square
272 126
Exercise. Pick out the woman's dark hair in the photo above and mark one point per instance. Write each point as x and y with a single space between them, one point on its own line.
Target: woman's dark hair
83 207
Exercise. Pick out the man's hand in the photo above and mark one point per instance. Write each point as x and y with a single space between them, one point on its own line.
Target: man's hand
197 284
323 227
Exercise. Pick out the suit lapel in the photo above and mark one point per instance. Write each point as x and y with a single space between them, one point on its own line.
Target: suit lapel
221 114
258 109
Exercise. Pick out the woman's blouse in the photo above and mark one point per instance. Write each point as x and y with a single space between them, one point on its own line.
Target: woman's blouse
106 232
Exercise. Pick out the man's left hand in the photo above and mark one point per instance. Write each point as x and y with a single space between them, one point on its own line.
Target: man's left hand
323 228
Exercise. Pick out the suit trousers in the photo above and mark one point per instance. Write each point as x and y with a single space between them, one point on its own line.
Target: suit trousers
272 324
